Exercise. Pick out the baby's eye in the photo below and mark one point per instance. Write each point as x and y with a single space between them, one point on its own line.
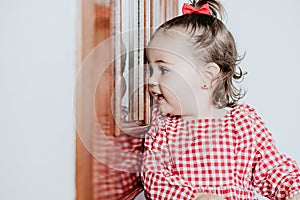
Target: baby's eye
163 70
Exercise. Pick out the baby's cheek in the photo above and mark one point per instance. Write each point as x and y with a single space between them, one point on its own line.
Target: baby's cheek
171 95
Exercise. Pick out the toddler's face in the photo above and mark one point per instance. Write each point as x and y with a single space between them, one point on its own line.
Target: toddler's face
175 78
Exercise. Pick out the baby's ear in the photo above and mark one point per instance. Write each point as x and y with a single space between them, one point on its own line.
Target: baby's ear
211 70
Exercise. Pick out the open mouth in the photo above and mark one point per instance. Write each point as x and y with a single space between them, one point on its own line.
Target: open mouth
157 96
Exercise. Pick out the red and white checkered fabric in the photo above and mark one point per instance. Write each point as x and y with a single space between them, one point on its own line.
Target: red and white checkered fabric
231 157
116 163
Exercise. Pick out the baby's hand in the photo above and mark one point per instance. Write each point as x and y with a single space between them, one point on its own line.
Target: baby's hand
206 196
296 197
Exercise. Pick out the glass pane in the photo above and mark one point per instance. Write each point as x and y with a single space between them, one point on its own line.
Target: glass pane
113 104
133 39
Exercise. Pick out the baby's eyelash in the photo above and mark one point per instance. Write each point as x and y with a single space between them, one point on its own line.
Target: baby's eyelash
163 69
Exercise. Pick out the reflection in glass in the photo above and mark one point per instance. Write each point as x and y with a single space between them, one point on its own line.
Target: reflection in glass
109 153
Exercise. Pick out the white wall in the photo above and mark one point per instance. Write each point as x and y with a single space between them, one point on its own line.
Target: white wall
37 58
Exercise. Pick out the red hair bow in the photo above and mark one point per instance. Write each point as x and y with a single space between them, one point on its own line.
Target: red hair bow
189 9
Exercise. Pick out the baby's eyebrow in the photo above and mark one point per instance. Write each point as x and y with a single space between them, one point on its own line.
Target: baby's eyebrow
161 61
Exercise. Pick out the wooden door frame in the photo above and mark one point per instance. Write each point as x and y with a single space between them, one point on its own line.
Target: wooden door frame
87 40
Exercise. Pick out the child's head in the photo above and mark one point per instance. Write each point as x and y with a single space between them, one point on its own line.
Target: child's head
193 59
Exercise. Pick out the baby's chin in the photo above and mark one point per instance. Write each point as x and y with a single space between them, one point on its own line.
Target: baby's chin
166 110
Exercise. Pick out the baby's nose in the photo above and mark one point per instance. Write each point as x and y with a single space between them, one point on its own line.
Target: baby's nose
153 81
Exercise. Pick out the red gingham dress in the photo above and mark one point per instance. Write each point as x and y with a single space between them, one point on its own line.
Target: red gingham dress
116 162
232 157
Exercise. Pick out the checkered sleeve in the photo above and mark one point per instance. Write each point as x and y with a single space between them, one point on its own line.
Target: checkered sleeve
159 178
275 176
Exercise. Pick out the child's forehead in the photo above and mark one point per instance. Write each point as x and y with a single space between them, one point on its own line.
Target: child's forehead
169 42
177 36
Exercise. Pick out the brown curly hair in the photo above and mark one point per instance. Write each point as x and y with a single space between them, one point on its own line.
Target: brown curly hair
213 43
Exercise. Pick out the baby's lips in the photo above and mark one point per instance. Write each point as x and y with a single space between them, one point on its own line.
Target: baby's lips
154 93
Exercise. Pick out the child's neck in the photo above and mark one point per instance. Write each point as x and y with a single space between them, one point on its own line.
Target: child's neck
212 113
